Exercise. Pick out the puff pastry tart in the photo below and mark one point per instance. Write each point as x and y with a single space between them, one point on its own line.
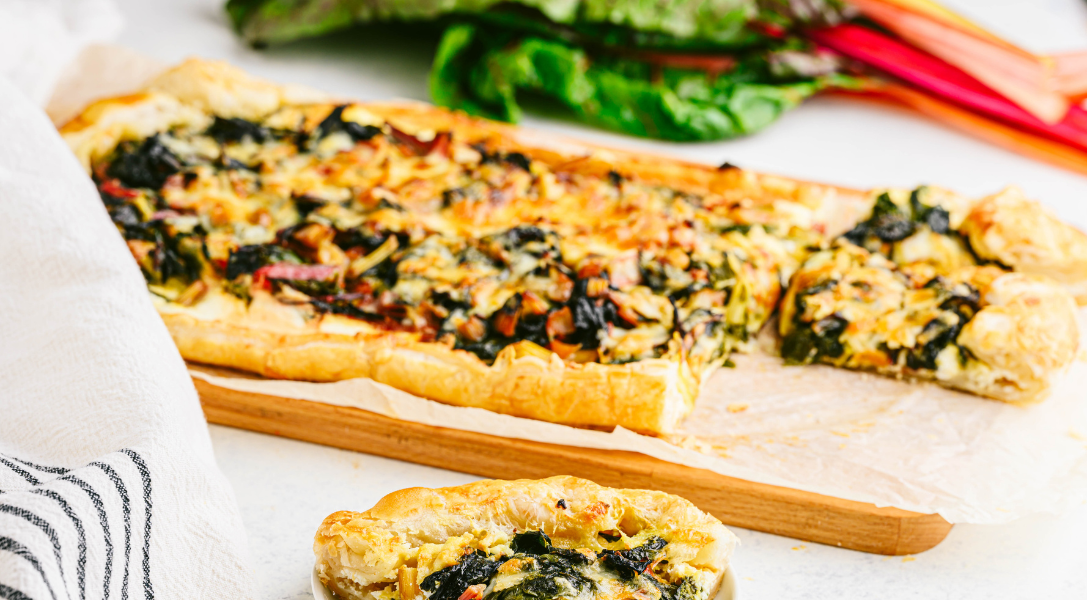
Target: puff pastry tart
555 538
288 234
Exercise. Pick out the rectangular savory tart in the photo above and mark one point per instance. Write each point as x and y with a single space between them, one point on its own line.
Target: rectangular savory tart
295 236
557 538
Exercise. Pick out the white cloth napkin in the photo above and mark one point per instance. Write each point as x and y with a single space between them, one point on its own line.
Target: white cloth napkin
108 484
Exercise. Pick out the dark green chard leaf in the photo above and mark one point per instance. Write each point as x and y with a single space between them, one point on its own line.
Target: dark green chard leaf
144 165
937 218
554 572
450 582
936 335
334 123
486 350
962 301
531 542
482 71
809 342
236 130
176 255
555 576
247 259
889 222
717 21
630 563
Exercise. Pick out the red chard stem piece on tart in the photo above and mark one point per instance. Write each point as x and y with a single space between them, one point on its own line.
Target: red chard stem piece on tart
439 143
297 272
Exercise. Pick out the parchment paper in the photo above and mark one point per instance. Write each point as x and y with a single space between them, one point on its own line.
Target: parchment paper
856 436
861 437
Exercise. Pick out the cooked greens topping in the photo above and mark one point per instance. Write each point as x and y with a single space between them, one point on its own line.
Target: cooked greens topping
451 582
814 342
144 165
237 130
958 304
891 222
631 563
531 542
537 570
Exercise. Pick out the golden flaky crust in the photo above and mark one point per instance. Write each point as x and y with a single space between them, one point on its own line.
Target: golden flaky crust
1022 234
1026 333
649 396
430 529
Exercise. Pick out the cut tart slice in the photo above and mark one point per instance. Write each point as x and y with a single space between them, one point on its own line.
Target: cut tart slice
980 329
555 538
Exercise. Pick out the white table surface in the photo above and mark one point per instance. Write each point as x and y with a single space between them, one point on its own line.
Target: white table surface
286 487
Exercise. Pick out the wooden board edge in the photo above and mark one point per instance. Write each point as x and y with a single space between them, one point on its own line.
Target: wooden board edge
772 509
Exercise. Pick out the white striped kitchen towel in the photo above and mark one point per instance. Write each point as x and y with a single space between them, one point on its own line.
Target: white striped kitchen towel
108 485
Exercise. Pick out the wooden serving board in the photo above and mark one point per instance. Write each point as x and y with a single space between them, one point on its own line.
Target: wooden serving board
783 511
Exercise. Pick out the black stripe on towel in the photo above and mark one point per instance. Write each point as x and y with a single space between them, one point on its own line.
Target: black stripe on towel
18 549
37 467
145 473
46 528
126 510
23 469
96 500
10 593
81 564
20 471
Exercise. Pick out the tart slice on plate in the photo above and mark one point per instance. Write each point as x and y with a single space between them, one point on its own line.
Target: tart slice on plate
554 538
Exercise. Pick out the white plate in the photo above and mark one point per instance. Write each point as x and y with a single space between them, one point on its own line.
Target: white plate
729 590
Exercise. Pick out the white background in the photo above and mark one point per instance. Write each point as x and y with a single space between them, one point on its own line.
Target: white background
285 487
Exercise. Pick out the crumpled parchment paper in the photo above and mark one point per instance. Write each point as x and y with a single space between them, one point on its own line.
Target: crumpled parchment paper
861 437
